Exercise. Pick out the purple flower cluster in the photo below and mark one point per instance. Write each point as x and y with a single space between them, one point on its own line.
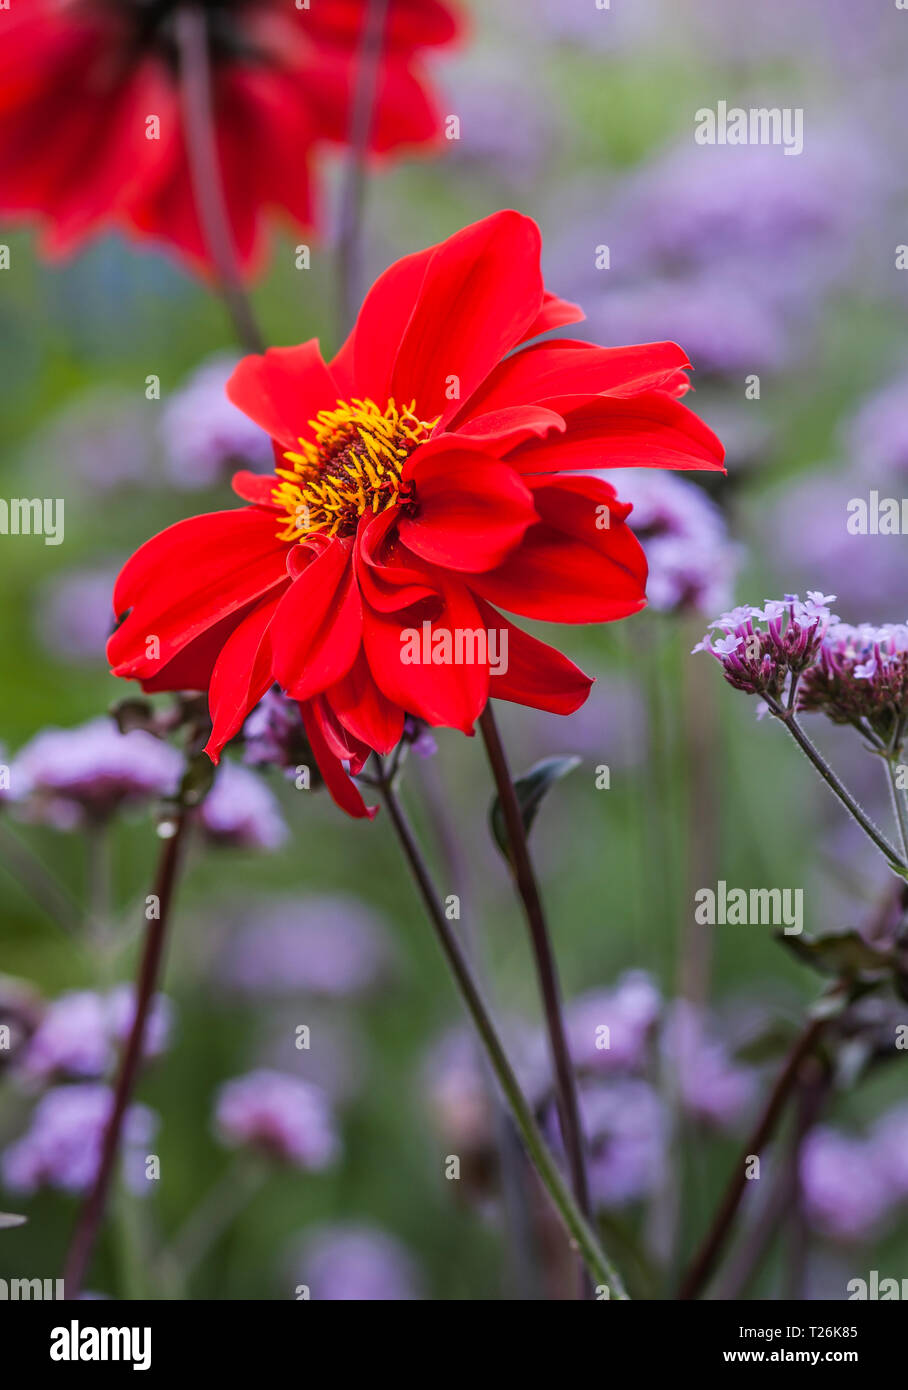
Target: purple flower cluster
861 673
204 436
73 777
280 1116
615 1037
691 562
357 1262
762 661
241 811
853 1183
332 947
75 614
79 1033
62 1146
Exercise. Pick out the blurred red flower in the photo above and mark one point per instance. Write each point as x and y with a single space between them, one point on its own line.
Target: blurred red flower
420 482
91 134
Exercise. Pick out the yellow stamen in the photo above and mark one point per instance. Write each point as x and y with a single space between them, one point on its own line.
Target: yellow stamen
351 465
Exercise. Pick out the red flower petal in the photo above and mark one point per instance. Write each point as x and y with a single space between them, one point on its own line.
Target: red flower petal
563 365
362 708
363 365
318 626
187 578
257 488
555 313
499 431
471 509
567 568
387 581
283 389
537 675
192 666
241 676
481 292
344 792
451 694
648 431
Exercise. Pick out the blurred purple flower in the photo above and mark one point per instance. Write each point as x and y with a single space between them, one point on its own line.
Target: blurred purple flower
610 1030
890 1142
204 436
505 131
877 435
72 777
281 1116
79 1032
845 1192
331 946
62 1147
274 735
458 1088
588 25
75 614
357 1262
806 537
713 1087
691 561
625 1127
728 329
242 811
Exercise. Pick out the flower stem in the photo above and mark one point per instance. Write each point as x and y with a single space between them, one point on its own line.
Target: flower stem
38 881
92 1211
574 1221
205 170
898 802
546 969
353 192
704 1262
832 781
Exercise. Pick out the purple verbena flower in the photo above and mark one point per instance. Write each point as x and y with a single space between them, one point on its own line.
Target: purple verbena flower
281 1116
762 660
845 1192
204 436
62 1146
626 1131
335 947
357 1262
691 562
80 1031
714 1088
610 1030
242 811
861 673
75 614
73 777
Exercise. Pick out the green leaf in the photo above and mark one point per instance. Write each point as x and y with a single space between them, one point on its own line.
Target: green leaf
530 789
839 953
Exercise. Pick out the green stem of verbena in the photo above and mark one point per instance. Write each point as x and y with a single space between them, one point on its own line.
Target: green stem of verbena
575 1223
544 957
836 786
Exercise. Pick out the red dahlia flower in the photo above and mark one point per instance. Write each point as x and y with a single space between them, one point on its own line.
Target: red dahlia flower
80 80
420 482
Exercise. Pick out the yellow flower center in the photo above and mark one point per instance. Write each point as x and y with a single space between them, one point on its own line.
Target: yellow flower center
351 466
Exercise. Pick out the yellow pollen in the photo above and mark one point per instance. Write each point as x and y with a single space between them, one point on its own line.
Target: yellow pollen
350 466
